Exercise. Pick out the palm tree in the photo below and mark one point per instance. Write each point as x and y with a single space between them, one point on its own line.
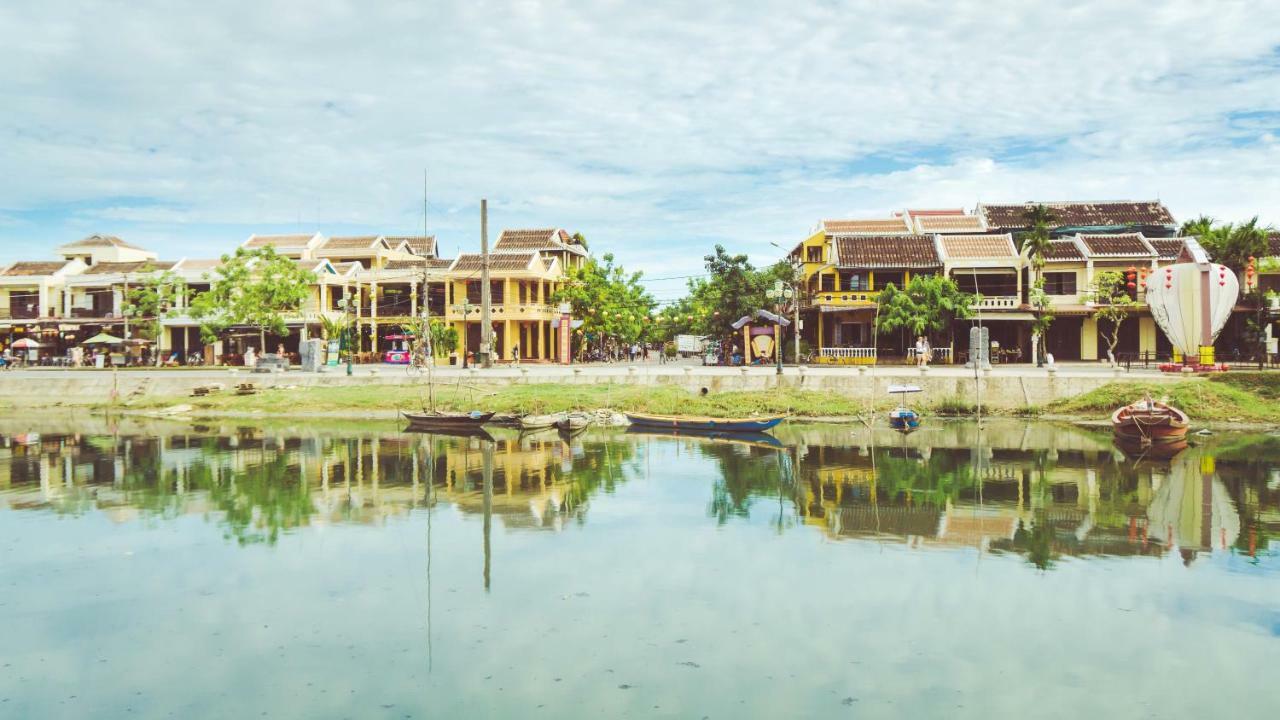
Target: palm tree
1036 243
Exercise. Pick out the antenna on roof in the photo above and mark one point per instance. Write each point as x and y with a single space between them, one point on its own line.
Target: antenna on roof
425 234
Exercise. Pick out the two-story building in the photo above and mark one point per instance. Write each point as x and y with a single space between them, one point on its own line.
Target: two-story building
526 268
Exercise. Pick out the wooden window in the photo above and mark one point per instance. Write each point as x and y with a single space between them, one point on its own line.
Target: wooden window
813 254
1060 283
828 282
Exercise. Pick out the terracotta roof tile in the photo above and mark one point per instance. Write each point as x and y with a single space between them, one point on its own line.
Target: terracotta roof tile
948 224
424 245
258 241
351 242
1167 248
1079 214
886 251
1116 245
497 261
872 226
1273 244
32 269
539 239
116 268
1063 250
417 263
978 246
101 241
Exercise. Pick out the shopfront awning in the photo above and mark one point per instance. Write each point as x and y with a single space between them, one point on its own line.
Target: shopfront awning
1015 316
838 308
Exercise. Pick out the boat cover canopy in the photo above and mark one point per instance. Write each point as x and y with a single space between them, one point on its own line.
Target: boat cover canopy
904 388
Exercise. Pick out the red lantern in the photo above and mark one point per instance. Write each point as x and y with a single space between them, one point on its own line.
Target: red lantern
1131 285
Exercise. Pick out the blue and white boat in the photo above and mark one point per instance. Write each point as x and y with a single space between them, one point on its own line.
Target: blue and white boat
903 418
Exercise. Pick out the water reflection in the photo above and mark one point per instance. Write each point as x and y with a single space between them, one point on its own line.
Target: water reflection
1043 492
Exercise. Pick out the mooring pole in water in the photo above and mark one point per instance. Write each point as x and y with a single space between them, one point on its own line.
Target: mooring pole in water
487 469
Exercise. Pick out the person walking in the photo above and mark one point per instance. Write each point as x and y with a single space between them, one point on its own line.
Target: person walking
515 353
919 351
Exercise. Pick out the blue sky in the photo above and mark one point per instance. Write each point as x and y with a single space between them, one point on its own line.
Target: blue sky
657 129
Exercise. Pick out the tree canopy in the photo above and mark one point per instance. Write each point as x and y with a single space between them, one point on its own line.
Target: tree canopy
1110 294
610 301
151 300
732 288
1231 244
254 287
926 306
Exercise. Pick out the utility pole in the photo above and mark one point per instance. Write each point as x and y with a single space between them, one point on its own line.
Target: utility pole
486 323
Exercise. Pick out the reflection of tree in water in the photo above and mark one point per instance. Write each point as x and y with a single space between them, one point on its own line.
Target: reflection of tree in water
746 473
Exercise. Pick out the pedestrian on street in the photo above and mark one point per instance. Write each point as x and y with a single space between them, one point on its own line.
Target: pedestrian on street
515 354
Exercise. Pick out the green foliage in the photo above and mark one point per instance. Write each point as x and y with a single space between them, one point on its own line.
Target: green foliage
252 287
732 289
151 300
927 306
331 328
1215 400
444 338
1231 244
1113 304
610 301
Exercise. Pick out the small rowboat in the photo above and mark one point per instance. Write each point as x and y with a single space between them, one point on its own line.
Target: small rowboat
755 439
538 422
706 424
1149 422
436 420
573 423
903 418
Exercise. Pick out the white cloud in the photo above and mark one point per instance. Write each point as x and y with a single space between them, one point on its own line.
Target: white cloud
657 129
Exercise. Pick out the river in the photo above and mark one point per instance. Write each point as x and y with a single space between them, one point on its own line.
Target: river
1027 570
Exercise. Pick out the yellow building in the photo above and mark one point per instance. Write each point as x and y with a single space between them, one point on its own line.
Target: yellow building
526 268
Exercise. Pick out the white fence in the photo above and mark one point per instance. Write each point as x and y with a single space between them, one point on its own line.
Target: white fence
849 352
938 354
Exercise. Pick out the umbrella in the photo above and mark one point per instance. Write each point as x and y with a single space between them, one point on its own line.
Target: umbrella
103 339
26 344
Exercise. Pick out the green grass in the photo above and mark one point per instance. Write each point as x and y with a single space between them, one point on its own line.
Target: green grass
1220 400
520 399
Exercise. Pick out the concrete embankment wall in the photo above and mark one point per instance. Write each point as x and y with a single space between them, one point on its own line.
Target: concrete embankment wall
1002 390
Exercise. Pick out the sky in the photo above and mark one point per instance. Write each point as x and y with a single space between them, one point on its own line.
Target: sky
656 129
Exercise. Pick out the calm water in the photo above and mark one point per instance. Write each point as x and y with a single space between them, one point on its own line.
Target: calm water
1032 571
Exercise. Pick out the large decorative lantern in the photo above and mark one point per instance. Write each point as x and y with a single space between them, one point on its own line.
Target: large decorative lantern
1191 302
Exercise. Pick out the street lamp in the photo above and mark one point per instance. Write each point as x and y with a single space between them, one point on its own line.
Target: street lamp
348 306
794 287
780 293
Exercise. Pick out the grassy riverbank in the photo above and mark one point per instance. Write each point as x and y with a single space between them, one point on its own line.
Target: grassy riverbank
1230 397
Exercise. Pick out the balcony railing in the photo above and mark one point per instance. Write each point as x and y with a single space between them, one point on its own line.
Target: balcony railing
19 313
999 302
845 297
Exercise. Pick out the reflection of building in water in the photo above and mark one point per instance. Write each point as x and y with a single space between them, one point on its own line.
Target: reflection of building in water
1191 510
265 484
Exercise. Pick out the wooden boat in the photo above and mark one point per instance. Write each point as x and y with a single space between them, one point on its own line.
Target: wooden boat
1150 451
903 418
573 422
1149 422
538 422
437 420
693 422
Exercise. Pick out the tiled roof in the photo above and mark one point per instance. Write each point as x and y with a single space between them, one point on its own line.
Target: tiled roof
886 251
1116 245
258 241
876 226
978 246
352 242
117 268
919 212
497 261
309 265
100 241
1167 248
345 267
540 239
417 264
424 245
1079 214
201 264
1063 250
948 223
31 269
1273 244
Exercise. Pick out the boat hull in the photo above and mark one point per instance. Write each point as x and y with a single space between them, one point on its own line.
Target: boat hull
446 421
705 424
1154 424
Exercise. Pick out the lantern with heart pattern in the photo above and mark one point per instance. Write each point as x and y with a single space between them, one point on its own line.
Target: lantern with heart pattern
1191 303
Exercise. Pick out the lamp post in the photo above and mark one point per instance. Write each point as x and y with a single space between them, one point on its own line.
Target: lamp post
464 308
780 293
348 306
794 287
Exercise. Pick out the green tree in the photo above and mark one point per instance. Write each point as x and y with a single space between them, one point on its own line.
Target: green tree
254 287
1036 243
148 302
610 301
1231 244
928 305
1110 294
444 338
